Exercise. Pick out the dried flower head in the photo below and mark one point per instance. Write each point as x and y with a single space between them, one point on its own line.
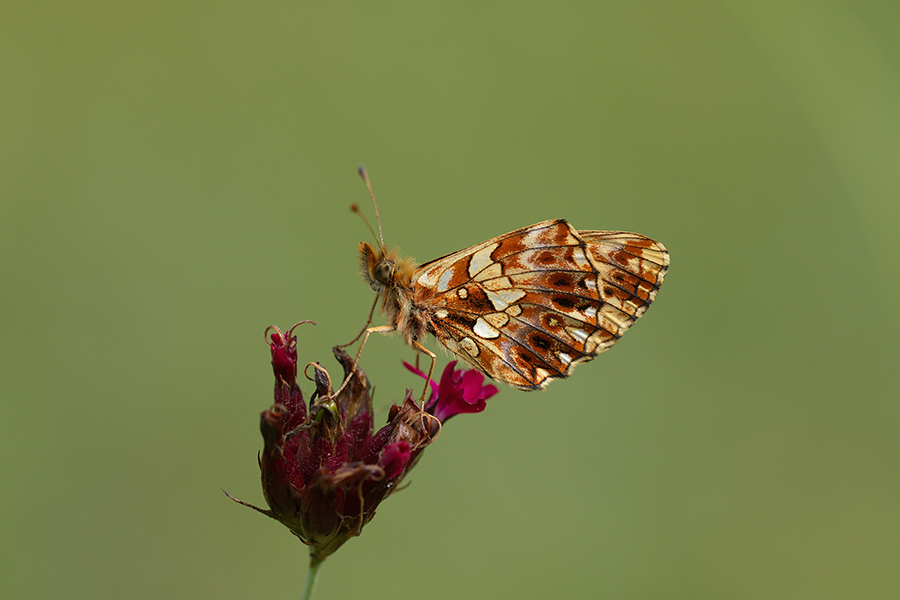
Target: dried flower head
324 471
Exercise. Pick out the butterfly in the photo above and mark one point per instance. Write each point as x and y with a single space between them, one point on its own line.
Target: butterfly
524 307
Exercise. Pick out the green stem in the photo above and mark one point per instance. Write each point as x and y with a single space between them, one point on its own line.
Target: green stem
312 576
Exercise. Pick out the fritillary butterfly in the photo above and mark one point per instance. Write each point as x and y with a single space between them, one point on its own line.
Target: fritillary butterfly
525 307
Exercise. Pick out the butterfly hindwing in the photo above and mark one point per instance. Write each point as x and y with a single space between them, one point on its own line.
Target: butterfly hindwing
527 306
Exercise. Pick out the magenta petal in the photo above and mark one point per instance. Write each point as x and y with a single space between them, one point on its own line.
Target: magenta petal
460 392
432 383
448 376
394 458
471 385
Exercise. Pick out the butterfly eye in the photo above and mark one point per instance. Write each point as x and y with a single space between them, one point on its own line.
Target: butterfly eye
384 272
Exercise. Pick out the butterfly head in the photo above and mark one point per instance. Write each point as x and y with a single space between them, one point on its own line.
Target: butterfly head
376 268
382 269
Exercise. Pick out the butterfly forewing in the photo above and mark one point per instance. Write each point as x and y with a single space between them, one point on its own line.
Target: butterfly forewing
527 306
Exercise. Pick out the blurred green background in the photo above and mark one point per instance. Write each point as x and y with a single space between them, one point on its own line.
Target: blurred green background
176 177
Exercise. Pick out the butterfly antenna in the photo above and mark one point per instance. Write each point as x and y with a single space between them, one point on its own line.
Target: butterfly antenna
365 177
355 208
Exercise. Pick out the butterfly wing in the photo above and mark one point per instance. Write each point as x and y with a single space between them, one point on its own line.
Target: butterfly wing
528 306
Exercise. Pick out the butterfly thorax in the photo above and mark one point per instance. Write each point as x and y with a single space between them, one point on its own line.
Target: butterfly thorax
391 278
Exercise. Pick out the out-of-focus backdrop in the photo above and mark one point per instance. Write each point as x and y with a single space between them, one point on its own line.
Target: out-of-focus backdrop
176 177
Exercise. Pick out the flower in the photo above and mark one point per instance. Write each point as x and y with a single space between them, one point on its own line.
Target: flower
324 472
458 392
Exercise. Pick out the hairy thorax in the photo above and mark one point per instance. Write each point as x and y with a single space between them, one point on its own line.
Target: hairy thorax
391 278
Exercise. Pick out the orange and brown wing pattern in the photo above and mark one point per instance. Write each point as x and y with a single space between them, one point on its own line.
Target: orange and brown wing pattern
631 267
527 306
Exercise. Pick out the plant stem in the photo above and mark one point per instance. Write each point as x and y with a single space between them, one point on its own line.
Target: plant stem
312 576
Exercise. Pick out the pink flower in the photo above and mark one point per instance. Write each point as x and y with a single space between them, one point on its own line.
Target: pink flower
324 472
458 392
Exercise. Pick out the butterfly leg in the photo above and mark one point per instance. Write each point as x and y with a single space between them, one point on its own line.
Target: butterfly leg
433 357
369 331
365 327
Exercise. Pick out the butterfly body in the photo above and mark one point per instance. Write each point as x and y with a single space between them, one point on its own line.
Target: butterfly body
525 307
391 278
